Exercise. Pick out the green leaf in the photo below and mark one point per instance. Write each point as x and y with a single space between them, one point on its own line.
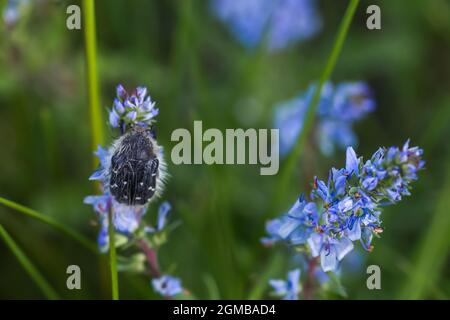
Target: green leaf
51 222
211 285
29 267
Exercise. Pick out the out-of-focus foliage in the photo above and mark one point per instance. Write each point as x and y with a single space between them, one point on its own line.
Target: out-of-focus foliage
196 70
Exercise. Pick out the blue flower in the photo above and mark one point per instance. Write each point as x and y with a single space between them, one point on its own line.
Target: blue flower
246 18
272 227
288 289
288 119
289 115
102 205
280 23
338 109
12 11
126 218
105 159
352 101
103 236
163 212
135 108
332 134
295 226
330 250
348 207
293 21
167 286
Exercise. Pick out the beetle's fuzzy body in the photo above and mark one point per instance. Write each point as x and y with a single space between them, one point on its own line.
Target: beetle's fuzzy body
137 170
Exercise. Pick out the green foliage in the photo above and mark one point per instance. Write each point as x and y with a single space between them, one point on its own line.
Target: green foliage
196 71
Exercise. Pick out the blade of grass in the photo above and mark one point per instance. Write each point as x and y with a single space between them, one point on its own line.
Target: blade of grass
211 285
51 222
96 119
92 75
113 259
432 251
37 277
288 168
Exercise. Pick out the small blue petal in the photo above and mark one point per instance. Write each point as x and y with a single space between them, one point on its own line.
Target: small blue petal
328 260
354 233
114 119
315 244
132 115
118 106
352 162
121 92
163 211
343 247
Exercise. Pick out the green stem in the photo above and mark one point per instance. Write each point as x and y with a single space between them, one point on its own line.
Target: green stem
96 118
51 222
113 259
289 167
46 288
92 75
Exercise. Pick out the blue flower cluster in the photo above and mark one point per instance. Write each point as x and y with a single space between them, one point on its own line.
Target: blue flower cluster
347 207
132 108
279 22
339 108
135 109
126 219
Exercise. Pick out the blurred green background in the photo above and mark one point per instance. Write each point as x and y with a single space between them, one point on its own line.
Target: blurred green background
195 70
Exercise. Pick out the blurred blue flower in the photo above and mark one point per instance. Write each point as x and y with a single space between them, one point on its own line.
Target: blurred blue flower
280 22
338 109
330 250
102 171
352 101
12 11
167 286
296 225
101 205
332 134
246 18
161 222
289 115
348 207
135 108
126 219
272 227
293 21
288 289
